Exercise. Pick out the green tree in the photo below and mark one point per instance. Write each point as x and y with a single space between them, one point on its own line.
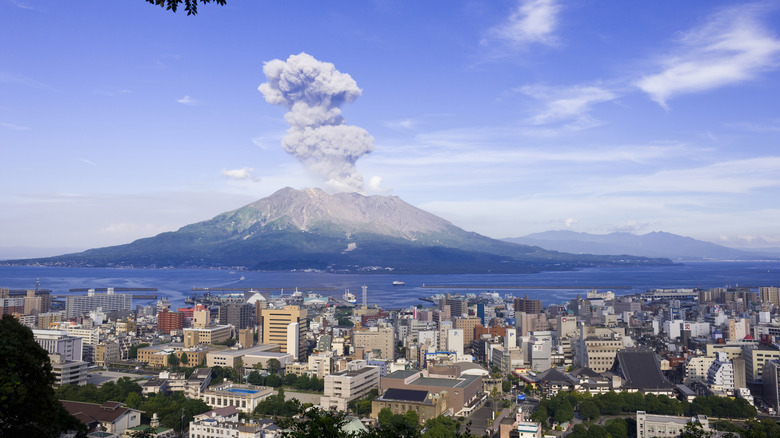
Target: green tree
133 352
618 428
695 430
190 6
596 431
589 410
273 366
184 359
28 405
316 423
173 360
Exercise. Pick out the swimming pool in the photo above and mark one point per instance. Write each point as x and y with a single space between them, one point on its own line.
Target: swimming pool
242 391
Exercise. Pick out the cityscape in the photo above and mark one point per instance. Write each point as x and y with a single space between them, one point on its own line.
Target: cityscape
376 219
488 363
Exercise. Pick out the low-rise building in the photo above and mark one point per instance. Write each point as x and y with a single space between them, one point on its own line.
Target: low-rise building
354 382
112 417
660 426
243 397
427 405
225 423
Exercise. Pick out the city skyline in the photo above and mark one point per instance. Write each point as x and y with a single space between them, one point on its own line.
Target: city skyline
121 121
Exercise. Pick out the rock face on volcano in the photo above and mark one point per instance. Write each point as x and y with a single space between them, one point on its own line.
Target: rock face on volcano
347 232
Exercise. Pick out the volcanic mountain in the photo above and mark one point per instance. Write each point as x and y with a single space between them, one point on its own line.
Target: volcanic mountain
347 232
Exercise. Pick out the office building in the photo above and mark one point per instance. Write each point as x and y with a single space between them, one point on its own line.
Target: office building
354 382
527 305
662 426
207 335
168 321
381 341
78 305
286 327
239 316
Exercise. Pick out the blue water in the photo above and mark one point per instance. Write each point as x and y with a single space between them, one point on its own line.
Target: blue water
177 284
242 391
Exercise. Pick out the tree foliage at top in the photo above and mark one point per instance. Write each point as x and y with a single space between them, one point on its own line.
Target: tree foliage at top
190 6
28 406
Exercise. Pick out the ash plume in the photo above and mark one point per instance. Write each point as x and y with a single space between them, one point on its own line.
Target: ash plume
313 91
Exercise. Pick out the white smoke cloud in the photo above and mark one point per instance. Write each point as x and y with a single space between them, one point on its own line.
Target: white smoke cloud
244 173
313 91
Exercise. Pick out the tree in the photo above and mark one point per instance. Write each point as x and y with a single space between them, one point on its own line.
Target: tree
273 366
173 360
618 428
190 6
695 430
589 410
184 359
316 423
133 351
28 406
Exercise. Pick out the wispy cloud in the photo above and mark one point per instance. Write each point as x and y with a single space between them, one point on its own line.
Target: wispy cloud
243 174
87 161
22 5
733 46
567 104
401 124
187 100
17 79
531 21
15 127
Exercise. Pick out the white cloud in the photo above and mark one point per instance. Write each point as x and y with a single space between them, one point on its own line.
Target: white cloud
569 222
14 127
187 100
401 124
733 46
564 104
532 21
374 186
87 161
243 174
631 225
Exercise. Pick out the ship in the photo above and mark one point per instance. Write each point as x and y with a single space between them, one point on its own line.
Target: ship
349 297
399 283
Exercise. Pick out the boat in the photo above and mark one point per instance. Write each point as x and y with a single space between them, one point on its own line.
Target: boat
349 297
399 283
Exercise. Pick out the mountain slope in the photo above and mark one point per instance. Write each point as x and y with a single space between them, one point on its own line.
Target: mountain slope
655 244
347 232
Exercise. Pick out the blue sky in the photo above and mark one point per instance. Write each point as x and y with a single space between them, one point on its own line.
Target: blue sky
120 120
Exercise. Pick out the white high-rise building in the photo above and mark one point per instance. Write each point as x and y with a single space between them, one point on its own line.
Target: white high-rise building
80 304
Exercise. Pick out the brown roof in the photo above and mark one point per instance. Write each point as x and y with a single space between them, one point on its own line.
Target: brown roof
107 412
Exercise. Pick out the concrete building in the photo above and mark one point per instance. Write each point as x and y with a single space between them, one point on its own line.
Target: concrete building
771 383
697 367
755 356
61 343
400 401
377 339
720 376
769 295
463 393
354 382
68 372
286 327
78 305
231 357
207 335
661 426
597 347
739 328
239 316
225 423
243 397
168 321
527 305
467 325
455 342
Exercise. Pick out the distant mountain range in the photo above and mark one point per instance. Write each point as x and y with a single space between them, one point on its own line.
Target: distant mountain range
348 232
655 244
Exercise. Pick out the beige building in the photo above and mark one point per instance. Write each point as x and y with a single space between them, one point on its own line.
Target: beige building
230 357
467 325
157 356
696 367
755 356
243 397
598 346
207 335
321 365
354 382
427 405
286 327
381 339
661 426
106 353
769 295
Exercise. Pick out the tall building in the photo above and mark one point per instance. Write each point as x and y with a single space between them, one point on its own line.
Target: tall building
237 315
80 304
527 305
467 325
380 339
739 328
769 295
771 383
168 321
286 327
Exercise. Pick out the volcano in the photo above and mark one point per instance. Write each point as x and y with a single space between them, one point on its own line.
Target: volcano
347 232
